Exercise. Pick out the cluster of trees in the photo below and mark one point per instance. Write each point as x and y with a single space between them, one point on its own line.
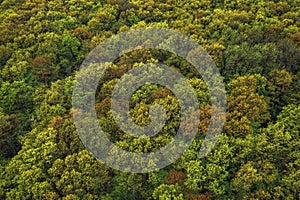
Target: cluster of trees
254 43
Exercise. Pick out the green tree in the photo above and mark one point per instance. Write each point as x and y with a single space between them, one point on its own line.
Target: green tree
16 97
80 175
167 192
247 107
52 102
9 134
26 174
279 88
211 174
5 54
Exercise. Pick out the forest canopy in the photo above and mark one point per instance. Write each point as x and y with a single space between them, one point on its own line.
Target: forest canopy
254 43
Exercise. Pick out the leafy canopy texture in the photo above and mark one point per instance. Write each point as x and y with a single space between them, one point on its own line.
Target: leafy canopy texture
255 45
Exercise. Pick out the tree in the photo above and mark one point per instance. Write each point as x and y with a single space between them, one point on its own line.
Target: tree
70 54
5 55
103 20
289 55
284 135
256 180
44 69
279 88
268 162
26 175
16 97
166 192
246 59
247 108
9 134
53 102
67 139
211 173
80 175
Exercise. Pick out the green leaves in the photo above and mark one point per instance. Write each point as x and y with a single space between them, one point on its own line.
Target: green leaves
247 109
16 97
9 135
5 54
279 88
211 174
25 175
166 192
253 181
79 174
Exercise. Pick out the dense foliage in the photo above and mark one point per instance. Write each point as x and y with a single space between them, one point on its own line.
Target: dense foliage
254 43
